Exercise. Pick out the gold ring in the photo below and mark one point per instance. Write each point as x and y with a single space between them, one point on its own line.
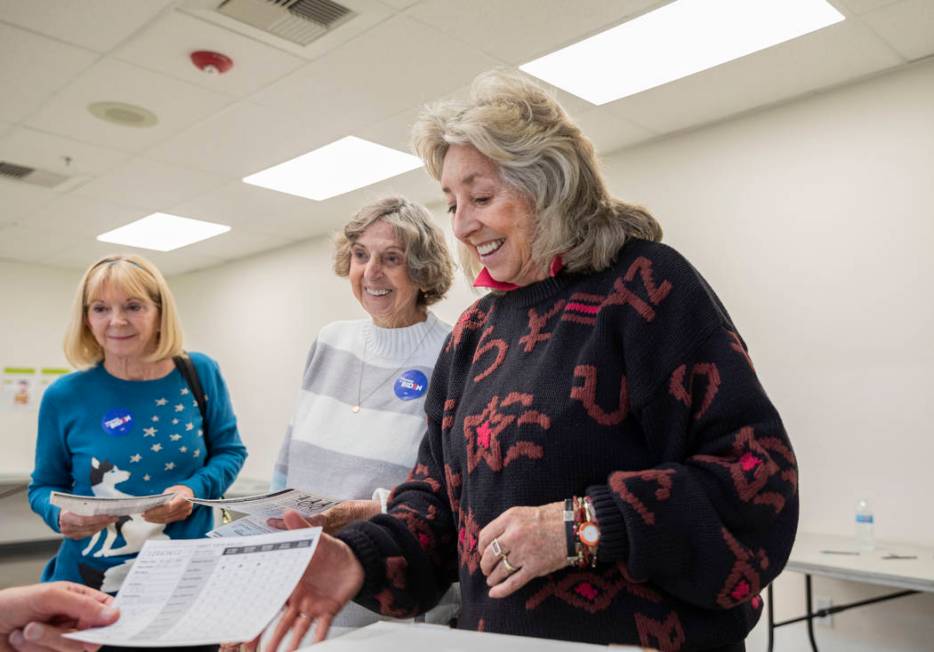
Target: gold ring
509 567
497 549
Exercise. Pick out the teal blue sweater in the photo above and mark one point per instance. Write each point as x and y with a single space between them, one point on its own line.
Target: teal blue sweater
99 435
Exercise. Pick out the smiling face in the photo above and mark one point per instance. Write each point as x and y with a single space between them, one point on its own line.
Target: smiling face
123 325
379 277
490 217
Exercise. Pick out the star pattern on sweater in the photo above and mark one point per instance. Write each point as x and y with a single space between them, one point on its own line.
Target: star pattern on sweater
155 418
149 432
162 401
169 466
483 432
197 453
156 448
175 437
189 426
184 391
175 422
179 407
183 449
135 458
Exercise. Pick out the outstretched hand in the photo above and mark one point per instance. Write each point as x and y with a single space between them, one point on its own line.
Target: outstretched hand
333 577
333 520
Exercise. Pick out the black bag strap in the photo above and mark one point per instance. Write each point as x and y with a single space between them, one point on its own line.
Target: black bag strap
187 368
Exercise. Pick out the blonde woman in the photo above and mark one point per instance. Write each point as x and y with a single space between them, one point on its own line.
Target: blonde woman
601 464
127 424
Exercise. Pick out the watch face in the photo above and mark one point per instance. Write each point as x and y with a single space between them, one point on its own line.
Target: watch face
590 534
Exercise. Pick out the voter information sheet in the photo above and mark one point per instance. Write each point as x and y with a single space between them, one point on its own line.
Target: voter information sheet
205 591
265 506
94 506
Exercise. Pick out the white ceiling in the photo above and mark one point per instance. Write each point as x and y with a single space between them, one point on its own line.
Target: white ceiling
367 77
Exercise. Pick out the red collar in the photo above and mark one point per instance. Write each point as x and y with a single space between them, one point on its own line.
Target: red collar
485 280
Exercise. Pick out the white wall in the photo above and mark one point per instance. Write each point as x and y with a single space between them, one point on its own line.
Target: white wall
34 305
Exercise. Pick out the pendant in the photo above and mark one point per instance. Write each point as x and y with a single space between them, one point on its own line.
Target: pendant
355 409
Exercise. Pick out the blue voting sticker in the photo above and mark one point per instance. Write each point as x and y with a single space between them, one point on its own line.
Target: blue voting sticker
411 385
117 422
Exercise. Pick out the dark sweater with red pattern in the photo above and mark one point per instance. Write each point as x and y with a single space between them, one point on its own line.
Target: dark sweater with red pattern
630 385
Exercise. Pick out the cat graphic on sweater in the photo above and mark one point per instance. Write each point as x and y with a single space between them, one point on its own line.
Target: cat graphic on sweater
105 477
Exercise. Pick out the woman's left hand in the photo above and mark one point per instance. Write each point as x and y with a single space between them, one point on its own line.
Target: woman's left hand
532 541
176 509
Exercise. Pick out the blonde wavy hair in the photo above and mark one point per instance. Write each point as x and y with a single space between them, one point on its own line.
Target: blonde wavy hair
427 257
541 153
138 278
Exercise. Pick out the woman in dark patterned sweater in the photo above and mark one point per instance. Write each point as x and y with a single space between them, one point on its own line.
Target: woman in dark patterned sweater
602 463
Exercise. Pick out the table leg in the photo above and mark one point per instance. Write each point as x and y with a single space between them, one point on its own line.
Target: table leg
771 618
810 610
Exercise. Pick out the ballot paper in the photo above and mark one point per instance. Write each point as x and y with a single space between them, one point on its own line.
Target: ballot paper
261 507
273 505
95 506
204 591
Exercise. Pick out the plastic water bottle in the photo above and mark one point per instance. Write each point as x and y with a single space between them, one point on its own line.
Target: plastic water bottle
864 524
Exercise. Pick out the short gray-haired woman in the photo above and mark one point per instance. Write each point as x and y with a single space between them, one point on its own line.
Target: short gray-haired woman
360 414
602 463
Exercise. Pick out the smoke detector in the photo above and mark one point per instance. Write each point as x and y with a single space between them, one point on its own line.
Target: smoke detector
125 115
213 63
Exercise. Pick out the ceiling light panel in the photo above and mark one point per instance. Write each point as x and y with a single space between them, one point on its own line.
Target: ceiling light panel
337 168
163 232
675 41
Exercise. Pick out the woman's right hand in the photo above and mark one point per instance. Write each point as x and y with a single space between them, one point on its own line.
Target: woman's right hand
333 577
75 526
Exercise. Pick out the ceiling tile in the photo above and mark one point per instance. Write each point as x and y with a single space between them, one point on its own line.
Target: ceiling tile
19 200
5 128
521 30
33 67
243 139
237 243
399 4
83 216
99 25
609 132
149 184
908 26
30 245
862 6
254 209
368 15
833 55
165 46
57 153
177 105
395 66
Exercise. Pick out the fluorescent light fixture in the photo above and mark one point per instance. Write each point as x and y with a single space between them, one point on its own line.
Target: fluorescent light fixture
342 166
163 232
675 41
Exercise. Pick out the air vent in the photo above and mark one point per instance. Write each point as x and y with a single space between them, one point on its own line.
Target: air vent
298 21
34 176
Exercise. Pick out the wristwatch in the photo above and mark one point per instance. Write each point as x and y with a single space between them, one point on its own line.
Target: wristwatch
589 534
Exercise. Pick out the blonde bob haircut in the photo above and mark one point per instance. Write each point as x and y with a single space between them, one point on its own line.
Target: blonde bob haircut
138 278
427 258
541 153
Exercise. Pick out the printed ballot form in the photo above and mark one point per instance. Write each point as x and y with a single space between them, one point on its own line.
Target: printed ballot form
264 506
95 506
205 591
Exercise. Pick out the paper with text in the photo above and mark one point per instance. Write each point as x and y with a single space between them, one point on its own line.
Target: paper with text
273 505
204 591
94 506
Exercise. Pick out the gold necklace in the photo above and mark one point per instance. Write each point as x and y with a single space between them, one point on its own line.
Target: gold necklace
356 408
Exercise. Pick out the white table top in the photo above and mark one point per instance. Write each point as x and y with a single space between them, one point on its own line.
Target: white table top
396 636
810 555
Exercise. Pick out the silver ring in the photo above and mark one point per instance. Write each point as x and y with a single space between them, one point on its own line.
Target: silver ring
509 567
304 615
497 549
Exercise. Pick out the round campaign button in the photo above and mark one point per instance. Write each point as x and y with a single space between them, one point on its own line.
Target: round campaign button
411 385
117 422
